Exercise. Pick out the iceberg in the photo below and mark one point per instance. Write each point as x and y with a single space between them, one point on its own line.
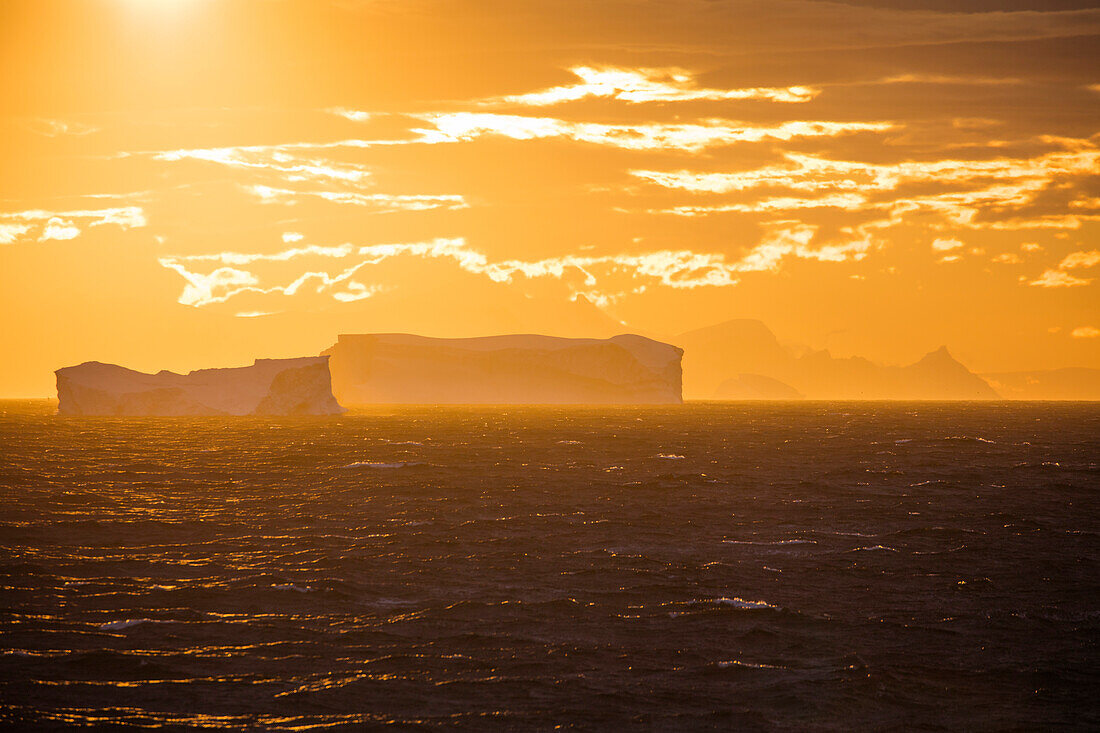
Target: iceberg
514 369
268 387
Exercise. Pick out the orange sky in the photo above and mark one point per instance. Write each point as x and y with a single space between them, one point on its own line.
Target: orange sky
191 183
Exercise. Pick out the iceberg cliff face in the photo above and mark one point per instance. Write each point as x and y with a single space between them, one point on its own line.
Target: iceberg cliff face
518 369
268 387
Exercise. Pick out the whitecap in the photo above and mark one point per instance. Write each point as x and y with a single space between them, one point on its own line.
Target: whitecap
291 586
670 456
739 603
569 442
870 549
738 663
383 464
125 623
770 543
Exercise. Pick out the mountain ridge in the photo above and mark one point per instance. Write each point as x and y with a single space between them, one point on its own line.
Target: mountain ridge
743 357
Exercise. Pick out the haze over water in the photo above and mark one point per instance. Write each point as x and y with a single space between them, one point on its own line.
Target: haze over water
751 566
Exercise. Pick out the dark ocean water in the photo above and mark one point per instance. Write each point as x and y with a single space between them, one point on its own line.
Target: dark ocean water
816 566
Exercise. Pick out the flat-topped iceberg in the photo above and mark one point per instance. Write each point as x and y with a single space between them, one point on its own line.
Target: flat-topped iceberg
268 387
516 369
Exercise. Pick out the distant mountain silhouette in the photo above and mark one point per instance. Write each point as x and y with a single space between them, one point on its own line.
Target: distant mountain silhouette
742 359
1072 383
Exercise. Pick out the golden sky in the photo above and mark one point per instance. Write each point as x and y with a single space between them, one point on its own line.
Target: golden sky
193 183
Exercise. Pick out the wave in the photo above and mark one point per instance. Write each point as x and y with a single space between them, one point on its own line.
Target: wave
126 623
740 603
770 543
726 664
384 464
968 437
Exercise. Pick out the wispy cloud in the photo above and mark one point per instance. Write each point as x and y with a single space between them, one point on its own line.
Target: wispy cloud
813 173
57 128
42 225
272 159
676 269
452 127
377 202
636 86
964 192
961 79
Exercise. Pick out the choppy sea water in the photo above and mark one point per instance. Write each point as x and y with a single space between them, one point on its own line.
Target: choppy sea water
821 566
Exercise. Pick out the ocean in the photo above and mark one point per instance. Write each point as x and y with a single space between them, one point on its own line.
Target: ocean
739 566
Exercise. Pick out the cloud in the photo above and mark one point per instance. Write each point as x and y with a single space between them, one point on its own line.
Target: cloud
946 245
355 290
453 127
813 173
41 225
960 79
1058 279
241 258
996 194
57 128
378 202
675 269
200 289
272 159
1080 259
228 281
60 229
636 86
1085 332
10 233
350 114
846 201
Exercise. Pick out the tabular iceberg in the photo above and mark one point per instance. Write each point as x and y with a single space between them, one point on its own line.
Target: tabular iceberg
268 387
516 369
